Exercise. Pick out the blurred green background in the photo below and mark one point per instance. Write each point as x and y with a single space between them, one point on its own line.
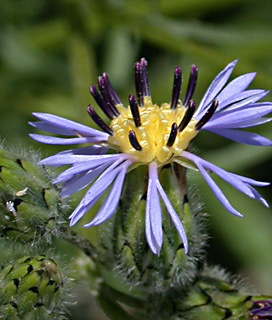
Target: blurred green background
51 51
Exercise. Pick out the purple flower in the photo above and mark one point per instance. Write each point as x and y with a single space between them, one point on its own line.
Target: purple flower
148 134
261 309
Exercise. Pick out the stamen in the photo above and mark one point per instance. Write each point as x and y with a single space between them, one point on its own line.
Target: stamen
173 135
134 110
146 90
106 96
188 115
133 141
102 104
191 86
113 95
139 85
98 120
176 88
207 116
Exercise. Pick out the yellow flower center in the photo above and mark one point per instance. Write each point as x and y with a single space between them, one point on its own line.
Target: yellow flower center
153 133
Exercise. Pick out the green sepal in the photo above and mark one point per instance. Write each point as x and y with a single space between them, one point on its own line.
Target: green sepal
186 163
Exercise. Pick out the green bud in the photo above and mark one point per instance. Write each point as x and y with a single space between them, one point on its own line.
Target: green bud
30 206
216 296
30 288
213 295
123 255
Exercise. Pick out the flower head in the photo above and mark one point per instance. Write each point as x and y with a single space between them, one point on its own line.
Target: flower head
145 133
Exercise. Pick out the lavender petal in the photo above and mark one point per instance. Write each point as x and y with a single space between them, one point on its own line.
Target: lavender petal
252 181
218 193
239 182
230 178
245 102
237 85
65 141
155 208
242 96
238 116
109 206
148 230
81 210
44 126
100 186
213 186
239 124
74 185
259 197
95 191
78 169
90 150
215 87
242 137
63 159
68 125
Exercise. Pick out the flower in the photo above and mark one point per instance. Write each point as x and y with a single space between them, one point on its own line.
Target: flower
152 135
261 309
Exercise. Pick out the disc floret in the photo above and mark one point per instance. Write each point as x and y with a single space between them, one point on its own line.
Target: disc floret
155 136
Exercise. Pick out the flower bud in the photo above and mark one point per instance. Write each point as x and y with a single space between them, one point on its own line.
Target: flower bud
29 203
30 288
215 295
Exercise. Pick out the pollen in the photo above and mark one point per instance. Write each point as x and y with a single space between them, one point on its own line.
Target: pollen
156 135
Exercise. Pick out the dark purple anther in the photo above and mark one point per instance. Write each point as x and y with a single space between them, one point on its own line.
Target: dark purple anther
102 104
173 135
188 116
207 116
113 95
98 120
106 96
139 84
176 88
134 110
145 79
133 141
191 86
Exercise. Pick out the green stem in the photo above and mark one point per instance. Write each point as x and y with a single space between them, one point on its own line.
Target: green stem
79 241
